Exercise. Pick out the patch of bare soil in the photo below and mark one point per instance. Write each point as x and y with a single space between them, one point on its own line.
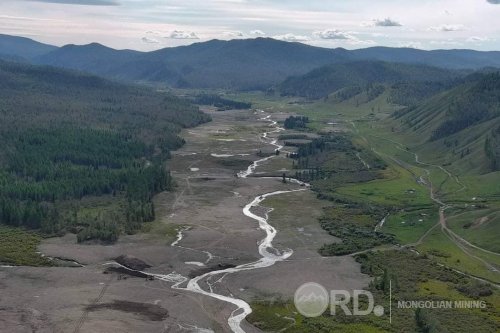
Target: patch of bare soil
145 310
480 221
24 320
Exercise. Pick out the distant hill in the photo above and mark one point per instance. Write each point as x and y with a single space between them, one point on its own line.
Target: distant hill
461 124
18 48
247 64
70 97
454 59
237 64
93 58
325 80
241 64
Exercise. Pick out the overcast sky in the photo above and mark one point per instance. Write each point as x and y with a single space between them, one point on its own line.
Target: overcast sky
153 24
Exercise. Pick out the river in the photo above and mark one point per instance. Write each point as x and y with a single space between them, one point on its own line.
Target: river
269 254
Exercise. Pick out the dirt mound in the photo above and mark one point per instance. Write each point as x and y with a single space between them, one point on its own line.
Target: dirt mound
132 262
125 271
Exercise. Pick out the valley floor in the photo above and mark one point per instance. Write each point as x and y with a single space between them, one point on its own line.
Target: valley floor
204 221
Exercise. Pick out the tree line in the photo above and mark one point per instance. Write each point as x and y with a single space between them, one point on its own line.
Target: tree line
69 137
296 122
221 103
492 148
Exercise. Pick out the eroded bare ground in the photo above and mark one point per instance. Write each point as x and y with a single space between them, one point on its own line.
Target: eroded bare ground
208 204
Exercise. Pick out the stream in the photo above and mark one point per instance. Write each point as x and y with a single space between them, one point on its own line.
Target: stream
269 254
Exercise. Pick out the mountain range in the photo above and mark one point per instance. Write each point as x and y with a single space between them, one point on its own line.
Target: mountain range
237 64
325 80
22 48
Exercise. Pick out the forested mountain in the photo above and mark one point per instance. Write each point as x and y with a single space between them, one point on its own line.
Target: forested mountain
325 80
464 121
66 136
244 64
237 64
453 59
413 93
20 48
93 58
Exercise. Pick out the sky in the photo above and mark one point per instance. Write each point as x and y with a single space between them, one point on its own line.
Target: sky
147 25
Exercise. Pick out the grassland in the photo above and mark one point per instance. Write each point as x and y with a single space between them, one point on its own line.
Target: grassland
19 247
410 226
281 316
481 226
397 188
440 248
403 188
413 278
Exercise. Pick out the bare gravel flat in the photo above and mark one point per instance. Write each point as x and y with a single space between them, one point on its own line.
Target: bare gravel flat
208 203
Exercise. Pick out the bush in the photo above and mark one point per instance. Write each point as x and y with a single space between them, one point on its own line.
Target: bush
475 289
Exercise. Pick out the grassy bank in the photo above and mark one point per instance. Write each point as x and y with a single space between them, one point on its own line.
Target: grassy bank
19 247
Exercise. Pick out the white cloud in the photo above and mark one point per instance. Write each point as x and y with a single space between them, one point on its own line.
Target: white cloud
477 39
378 34
447 27
292 38
149 40
82 2
450 42
341 36
333 34
180 34
124 26
233 34
387 22
361 42
257 33
412 45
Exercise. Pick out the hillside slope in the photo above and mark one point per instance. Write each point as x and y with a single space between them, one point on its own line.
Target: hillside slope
92 58
13 47
452 59
325 80
67 137
460 126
